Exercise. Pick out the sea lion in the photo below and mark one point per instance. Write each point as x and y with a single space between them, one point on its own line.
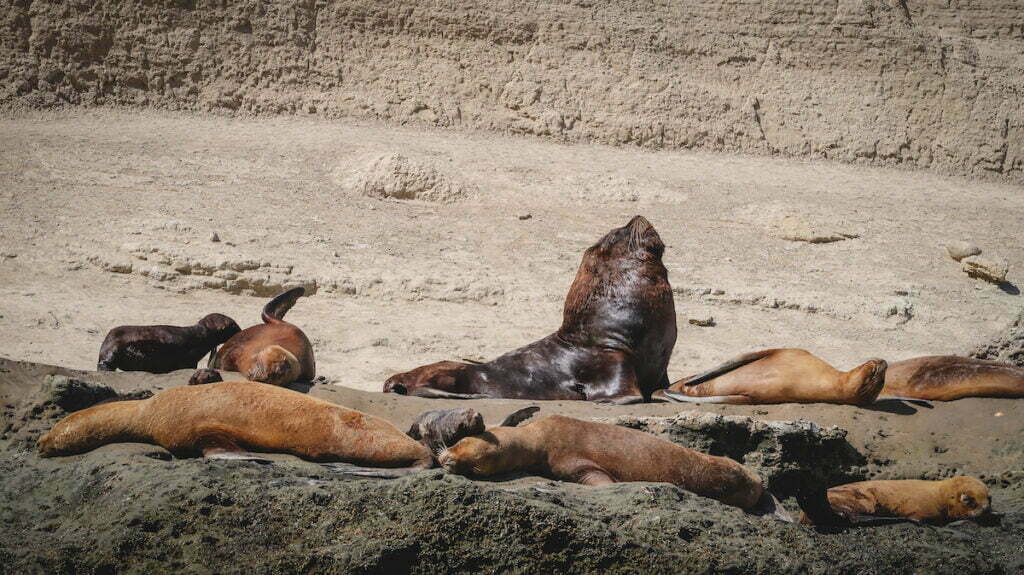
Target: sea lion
163 348
617 334
274 352
440 428
592 453
867 502
230 419
781 376
947 377
204 376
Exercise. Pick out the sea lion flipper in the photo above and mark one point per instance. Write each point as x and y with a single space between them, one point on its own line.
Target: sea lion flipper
595 478
222 453
732 364
276 308
910 400
434 393
769 505
621 400
372 472
683 398
517 417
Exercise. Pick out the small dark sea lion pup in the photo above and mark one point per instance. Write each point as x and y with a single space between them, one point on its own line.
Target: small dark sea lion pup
617 334
592 453
439 429
274 352
947 377
163 348
874 502
204 376
781 376
228 420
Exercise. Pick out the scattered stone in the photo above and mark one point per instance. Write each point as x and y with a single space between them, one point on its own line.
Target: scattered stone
526 216
113 266
784 222
214 237
990 269
962 249
1008 347
399 177
901 310
703 322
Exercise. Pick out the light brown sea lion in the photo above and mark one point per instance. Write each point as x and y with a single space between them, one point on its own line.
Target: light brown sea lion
781 376
926 501
229 419
275 352
617 334
947 377
594 453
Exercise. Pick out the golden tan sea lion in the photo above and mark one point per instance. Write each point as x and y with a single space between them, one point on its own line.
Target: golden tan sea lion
229 419
928 501
275 352
947 377
781 376
594 453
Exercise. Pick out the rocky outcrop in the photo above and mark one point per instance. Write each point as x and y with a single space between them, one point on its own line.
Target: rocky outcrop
922 83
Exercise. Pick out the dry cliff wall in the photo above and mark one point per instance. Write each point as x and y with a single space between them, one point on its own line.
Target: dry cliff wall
929 83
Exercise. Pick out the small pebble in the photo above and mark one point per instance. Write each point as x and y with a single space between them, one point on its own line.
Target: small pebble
961 250
214 237
703 322
526 216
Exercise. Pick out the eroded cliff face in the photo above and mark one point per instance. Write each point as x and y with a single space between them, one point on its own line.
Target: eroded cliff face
926 83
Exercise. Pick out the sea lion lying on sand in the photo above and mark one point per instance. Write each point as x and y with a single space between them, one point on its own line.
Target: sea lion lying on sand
781 376
274 352
947 377
870 502
230 419
617 334
163 348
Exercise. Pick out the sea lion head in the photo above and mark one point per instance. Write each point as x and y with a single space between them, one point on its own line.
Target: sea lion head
448 376
966 498
439 428
275 365
480 455
220 327
636 240
204 376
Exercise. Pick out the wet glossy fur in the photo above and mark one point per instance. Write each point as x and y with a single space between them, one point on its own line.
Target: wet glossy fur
947 377
163 348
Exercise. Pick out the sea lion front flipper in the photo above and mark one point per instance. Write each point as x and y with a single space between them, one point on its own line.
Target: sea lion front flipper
434 393
372 472
911 400
595 478
769 505
683 398
517 417
227 453
732 364
276 308
621 400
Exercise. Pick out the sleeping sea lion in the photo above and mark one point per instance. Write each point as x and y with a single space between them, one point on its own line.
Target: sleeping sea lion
617 334
781 376
274 352
868 502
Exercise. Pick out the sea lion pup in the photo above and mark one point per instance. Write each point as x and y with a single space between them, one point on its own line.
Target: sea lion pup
781 376
617 334
230 419
592 453
163 348
869 502
274 352
947 377
204 376
440 428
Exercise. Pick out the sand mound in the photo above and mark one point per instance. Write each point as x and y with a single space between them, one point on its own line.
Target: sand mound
795 225
403 178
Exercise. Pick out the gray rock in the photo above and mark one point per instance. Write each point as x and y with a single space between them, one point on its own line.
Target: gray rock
962 249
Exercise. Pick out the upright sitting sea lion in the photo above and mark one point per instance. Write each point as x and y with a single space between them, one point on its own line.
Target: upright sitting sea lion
274 352
593 453
617 334
229 419
927 501
163 348
781 376
947 377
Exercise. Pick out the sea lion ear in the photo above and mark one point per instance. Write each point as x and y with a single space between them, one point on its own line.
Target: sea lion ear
520 416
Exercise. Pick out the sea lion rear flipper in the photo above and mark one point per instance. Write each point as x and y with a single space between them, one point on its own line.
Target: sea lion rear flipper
769 505
227 453
911 400
517 417
683 398
276 308
434 393
372 472
732 364
595 478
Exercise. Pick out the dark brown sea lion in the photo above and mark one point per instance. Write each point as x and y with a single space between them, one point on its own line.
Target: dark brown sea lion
439 429
204 376
592 453
163 348
274 352
617 334
230 419
943 501
781 376
947 377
